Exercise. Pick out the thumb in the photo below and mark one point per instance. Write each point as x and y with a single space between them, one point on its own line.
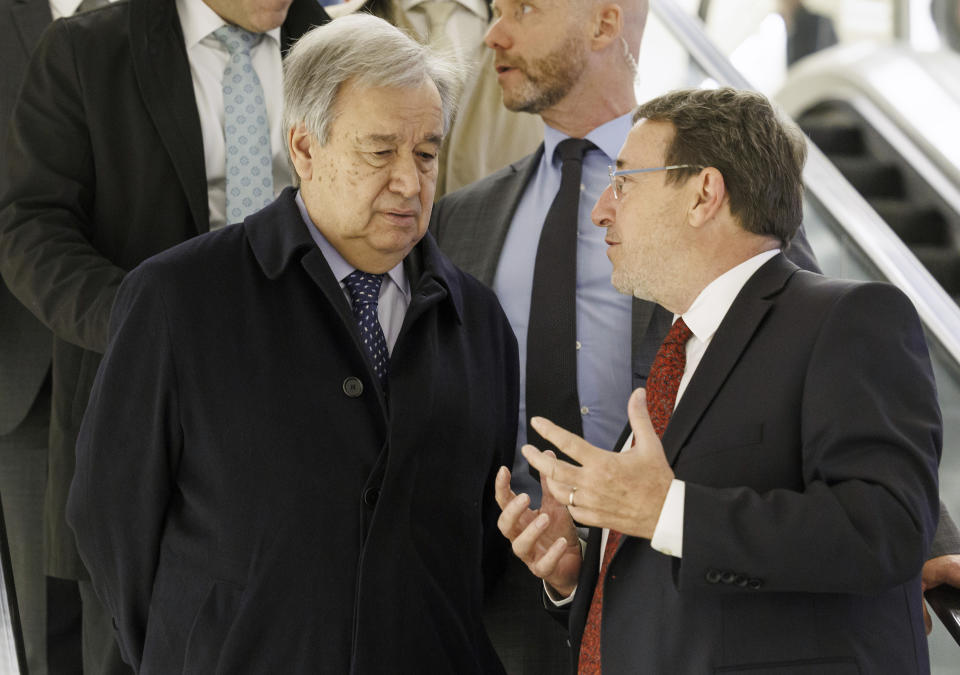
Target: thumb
639 416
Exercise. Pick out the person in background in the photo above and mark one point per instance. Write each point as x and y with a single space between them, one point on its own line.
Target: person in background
115 150
807 32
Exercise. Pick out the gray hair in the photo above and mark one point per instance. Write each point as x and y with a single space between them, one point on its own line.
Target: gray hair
367 52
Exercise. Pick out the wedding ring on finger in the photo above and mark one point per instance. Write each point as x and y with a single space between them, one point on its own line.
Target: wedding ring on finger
573 491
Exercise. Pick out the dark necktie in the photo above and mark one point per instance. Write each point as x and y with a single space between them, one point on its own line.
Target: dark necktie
552 331
364 289
662 384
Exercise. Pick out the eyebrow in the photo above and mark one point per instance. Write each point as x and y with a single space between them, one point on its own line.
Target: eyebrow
394 138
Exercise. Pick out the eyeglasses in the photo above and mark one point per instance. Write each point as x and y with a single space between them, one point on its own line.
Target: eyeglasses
616 182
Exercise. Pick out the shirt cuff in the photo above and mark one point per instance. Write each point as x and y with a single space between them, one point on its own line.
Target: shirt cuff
668 534
552 597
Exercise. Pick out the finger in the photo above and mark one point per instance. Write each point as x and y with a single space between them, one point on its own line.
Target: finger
515 516
525 543
502 490
928 624
549 466
568 442
547 563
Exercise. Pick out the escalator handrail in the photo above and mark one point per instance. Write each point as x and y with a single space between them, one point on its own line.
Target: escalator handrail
865 229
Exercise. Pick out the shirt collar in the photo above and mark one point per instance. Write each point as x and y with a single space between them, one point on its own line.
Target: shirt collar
198 21
338 264
608 137
478 7
66 7
708 309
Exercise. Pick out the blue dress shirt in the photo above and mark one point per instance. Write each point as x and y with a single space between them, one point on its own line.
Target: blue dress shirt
603 314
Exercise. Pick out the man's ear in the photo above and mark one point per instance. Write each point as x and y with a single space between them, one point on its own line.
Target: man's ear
607 26
300 147
709 196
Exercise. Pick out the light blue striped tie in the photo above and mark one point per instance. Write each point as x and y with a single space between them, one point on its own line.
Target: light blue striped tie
246 131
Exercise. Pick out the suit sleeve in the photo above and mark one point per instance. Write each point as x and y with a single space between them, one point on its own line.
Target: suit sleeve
127 451
946 540
870 445
47 257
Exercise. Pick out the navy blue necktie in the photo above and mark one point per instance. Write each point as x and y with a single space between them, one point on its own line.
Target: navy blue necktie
364 289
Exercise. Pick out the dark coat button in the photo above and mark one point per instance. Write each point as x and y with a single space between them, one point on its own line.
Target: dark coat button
370 496
728 577
713 576
740 581
352 387
755 584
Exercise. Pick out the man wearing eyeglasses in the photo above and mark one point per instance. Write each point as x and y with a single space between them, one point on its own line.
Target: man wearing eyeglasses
525 231
776 491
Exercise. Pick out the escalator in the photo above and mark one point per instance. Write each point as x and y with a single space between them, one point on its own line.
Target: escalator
892 187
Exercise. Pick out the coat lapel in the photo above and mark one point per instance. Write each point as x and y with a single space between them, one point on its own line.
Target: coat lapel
732 337
163 74
31 18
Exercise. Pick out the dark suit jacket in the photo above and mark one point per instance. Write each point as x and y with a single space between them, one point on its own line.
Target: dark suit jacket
809 437
104 167
243 508
24 341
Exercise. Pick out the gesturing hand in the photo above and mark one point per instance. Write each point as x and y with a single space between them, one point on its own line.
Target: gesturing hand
544 539
622 491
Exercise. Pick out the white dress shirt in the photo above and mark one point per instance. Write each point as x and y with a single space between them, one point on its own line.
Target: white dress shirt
62 8
208 58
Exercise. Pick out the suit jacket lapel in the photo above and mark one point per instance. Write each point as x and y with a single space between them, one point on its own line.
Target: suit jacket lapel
732 337
31 18
495 221
163 73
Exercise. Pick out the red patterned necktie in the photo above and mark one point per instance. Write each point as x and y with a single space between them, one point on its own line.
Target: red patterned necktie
662 384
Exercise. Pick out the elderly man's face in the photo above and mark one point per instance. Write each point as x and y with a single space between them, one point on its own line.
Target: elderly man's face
370 187
541 51
646 226
257 16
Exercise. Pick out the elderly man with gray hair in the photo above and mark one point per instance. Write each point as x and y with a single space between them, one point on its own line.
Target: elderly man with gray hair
287 462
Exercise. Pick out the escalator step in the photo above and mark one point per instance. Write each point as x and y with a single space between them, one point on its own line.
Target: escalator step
870 177
835 131
943 263
915 225
840 140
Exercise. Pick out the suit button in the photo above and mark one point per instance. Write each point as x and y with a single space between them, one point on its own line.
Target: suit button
728 577
352 387
755 584
713 576
740 581
370 496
